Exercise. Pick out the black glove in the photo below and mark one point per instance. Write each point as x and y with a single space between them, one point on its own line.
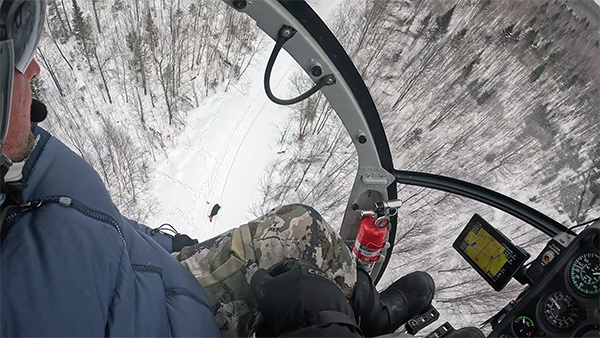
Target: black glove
180 241
294 295
466 332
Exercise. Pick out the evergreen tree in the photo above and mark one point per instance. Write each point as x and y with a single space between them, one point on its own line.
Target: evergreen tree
83 34
442 23
458 38
424 25
59 25
136 45
508 31
151 36
536 73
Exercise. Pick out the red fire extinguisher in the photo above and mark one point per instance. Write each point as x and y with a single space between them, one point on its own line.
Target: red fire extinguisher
369 241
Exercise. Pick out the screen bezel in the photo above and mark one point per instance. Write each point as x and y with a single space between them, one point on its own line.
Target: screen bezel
521 256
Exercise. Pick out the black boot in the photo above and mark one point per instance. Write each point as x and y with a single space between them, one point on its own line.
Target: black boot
466 332
378 314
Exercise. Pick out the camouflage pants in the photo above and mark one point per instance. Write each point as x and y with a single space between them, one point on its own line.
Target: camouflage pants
225 264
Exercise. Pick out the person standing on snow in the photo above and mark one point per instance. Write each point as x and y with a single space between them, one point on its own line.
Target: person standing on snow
72 265
214 211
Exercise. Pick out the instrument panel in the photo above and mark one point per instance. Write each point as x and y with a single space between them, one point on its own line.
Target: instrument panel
564 298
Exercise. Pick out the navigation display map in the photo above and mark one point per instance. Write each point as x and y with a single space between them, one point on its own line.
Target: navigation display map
485 251
489 252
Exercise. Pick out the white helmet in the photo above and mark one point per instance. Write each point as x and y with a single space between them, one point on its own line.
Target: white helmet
21 25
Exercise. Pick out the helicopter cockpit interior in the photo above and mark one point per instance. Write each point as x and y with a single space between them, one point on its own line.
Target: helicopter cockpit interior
560 297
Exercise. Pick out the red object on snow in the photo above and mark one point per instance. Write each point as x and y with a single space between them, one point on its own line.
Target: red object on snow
369 241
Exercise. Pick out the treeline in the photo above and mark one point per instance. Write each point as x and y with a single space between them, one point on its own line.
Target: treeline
500 93
120 76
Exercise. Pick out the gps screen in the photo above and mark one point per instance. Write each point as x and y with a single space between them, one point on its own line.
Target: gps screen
489 252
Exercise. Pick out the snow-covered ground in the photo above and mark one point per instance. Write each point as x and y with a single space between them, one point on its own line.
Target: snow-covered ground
220 156
224 149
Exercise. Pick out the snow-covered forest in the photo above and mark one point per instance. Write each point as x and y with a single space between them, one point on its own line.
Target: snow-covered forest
120 77
500 93
502 80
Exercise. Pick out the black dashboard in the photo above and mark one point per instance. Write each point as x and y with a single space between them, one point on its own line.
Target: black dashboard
562 299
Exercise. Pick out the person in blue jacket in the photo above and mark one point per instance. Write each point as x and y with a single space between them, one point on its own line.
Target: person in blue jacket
72 265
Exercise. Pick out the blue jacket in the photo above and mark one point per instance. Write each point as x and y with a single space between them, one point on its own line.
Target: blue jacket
71 265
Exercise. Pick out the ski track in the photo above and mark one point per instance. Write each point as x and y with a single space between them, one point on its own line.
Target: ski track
211 122
211 143
178 211
219 176
216 176
187 214
240 146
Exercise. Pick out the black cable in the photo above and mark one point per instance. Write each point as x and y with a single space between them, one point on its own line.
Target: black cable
584 223
163 229
286 33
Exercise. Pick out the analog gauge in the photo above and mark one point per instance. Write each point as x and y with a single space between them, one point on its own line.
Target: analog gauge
523 327
585 273
560 310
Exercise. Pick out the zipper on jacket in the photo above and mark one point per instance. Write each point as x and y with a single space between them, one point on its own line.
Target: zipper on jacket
185 292
68 203
3 217
147 268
